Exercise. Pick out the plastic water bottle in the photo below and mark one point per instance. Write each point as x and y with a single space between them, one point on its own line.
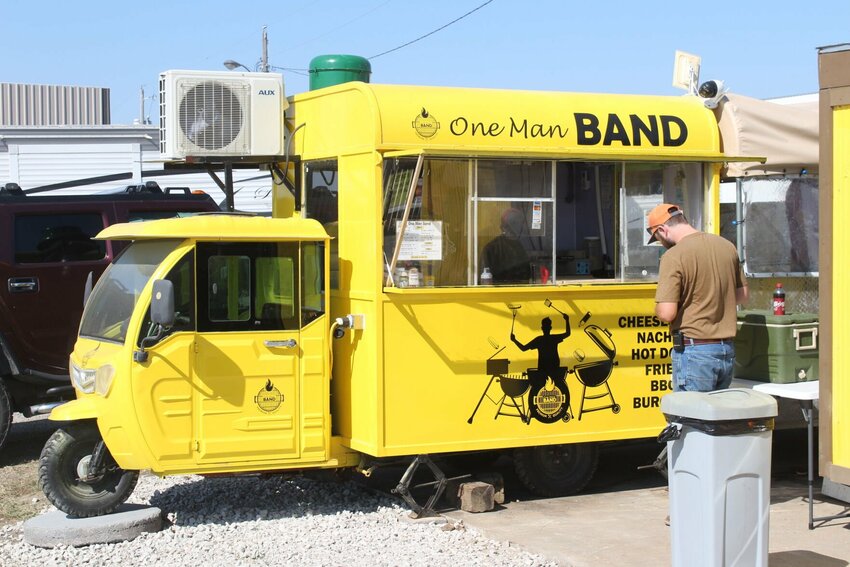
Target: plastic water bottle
779 300
413 279
486 277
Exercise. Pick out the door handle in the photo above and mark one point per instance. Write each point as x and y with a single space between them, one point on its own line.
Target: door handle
23 285
289 343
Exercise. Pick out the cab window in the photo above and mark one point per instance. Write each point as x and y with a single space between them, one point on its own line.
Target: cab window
248 287
321 202
182 277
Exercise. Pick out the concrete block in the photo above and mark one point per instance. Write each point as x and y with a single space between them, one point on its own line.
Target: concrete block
476 497
57 528
498 483
836 490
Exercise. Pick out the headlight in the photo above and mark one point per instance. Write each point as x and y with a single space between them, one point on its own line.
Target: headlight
83 378
89 380
103 379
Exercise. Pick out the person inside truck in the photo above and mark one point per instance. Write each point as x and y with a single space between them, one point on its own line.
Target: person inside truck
505 255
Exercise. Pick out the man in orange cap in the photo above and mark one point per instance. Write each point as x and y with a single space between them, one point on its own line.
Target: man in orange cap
700 283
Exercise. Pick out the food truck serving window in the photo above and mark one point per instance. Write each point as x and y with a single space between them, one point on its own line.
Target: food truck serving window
466 222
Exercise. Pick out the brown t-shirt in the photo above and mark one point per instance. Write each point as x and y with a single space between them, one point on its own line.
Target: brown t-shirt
701 274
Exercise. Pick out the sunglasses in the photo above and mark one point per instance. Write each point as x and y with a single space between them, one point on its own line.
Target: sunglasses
651 230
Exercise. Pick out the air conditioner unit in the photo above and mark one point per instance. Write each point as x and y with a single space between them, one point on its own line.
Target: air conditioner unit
220 114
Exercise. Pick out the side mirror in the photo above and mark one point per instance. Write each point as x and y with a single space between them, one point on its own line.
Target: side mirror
162 303
162 315
87 289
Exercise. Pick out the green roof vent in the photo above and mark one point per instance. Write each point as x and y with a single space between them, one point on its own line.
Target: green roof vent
329 70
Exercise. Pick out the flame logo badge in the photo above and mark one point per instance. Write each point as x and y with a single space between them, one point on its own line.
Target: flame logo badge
425 125
269 398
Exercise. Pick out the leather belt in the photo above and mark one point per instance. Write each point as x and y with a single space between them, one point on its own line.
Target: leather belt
690 342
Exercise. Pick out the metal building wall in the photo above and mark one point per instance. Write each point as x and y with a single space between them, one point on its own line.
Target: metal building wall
53 105
37 156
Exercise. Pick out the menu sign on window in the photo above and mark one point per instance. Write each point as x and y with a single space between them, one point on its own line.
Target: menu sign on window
423 240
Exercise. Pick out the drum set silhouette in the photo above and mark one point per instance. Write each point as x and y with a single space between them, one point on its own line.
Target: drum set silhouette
545 396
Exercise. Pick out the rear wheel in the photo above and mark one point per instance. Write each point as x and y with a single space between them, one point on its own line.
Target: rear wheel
5 413
64 476
556 470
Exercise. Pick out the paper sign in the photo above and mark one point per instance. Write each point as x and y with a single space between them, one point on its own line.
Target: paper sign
423 240
536 215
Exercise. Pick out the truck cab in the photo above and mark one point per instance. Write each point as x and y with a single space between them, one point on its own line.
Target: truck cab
235 376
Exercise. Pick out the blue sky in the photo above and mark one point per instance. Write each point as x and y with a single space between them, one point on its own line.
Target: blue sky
760 49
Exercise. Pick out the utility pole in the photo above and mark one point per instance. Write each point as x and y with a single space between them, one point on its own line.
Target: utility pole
264 66
142 104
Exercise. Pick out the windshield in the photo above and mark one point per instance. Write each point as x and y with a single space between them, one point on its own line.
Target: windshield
107 313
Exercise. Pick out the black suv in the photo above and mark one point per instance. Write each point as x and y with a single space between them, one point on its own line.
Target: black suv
46 255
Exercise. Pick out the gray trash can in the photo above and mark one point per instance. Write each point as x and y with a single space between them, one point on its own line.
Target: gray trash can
718 465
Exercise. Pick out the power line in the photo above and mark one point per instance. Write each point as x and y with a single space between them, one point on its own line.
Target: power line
339 27
431 32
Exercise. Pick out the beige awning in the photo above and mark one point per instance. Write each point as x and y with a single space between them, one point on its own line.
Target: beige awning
787 135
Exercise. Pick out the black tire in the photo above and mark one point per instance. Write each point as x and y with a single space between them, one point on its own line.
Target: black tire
556 470
5 413
59 478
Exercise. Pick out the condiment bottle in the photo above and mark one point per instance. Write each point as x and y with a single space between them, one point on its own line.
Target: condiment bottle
413 277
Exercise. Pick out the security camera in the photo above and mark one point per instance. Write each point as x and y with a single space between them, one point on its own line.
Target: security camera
713 92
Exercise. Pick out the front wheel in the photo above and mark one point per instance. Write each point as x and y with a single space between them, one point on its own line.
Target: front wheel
64 476
556 470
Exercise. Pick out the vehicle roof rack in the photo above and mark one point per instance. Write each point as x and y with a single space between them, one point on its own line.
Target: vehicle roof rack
12 189
146 187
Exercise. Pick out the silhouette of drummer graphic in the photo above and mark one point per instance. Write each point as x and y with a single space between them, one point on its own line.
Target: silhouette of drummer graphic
548 359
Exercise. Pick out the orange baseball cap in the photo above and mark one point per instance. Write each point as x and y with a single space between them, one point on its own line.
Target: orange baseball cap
658 216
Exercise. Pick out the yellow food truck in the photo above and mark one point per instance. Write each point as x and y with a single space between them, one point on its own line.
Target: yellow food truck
463 270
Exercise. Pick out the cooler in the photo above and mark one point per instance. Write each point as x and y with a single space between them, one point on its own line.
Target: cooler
776 348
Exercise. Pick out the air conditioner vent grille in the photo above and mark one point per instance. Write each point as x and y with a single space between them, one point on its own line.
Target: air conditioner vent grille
208 114
211 113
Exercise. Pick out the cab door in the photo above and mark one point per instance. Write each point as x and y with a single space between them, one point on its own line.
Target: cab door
162 385
248 353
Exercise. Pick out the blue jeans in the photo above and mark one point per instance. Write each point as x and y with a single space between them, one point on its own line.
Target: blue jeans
703 368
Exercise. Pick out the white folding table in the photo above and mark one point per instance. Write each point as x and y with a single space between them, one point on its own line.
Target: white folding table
807 394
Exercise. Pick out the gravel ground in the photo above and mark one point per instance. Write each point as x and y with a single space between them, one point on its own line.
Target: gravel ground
259 521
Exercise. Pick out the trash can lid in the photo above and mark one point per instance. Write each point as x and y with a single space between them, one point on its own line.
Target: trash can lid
721 405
